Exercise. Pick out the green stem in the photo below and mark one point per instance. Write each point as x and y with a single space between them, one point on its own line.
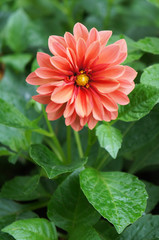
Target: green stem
59 6
54 148
68 7
108 15
112 122
54 138
69 144
79 146
102 162
42 132
89 145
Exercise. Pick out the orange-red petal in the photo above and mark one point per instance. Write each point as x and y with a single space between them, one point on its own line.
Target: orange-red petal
80 31
63 93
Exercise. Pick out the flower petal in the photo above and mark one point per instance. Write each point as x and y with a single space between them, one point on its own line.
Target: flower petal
76 124
49 87
104 37
105 86
92 122
127 90
44 99
35 80
57 49
58 39
123 51
62 64
72 58
125 83
53 107
80 31
82 103
97 107
99 67
119 97
63 93
46 73
114 115
111 72
70 41
83 121
69 120
129 74
93 36
92 52
55 115
108 103
43 60
81 50
70 107
107 115
109 54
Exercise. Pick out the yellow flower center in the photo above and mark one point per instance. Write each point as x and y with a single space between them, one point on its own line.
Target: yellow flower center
82 79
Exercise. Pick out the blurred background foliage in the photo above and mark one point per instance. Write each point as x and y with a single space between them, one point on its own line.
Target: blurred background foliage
25 26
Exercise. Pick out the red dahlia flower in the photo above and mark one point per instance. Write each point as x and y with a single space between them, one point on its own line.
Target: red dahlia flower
84 80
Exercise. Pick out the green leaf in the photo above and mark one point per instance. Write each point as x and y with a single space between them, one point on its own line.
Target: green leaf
23 189
50 163
153 193
146 156
140 133
69 207
12 117
106 230
149 44
119 197
14 158
16 32
155 2
17 61
138 65
150 76
145 228
133 56
11 211
84 232
5 152
14 138
32 229
142 100
109 138
14 84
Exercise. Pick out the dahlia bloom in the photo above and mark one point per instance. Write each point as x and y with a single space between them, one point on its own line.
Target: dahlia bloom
84 80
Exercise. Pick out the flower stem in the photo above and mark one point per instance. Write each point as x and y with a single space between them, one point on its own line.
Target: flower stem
102 162
54 138
113 121
78 142
108 15
42 132
69 144
68 7
54 148
90 143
